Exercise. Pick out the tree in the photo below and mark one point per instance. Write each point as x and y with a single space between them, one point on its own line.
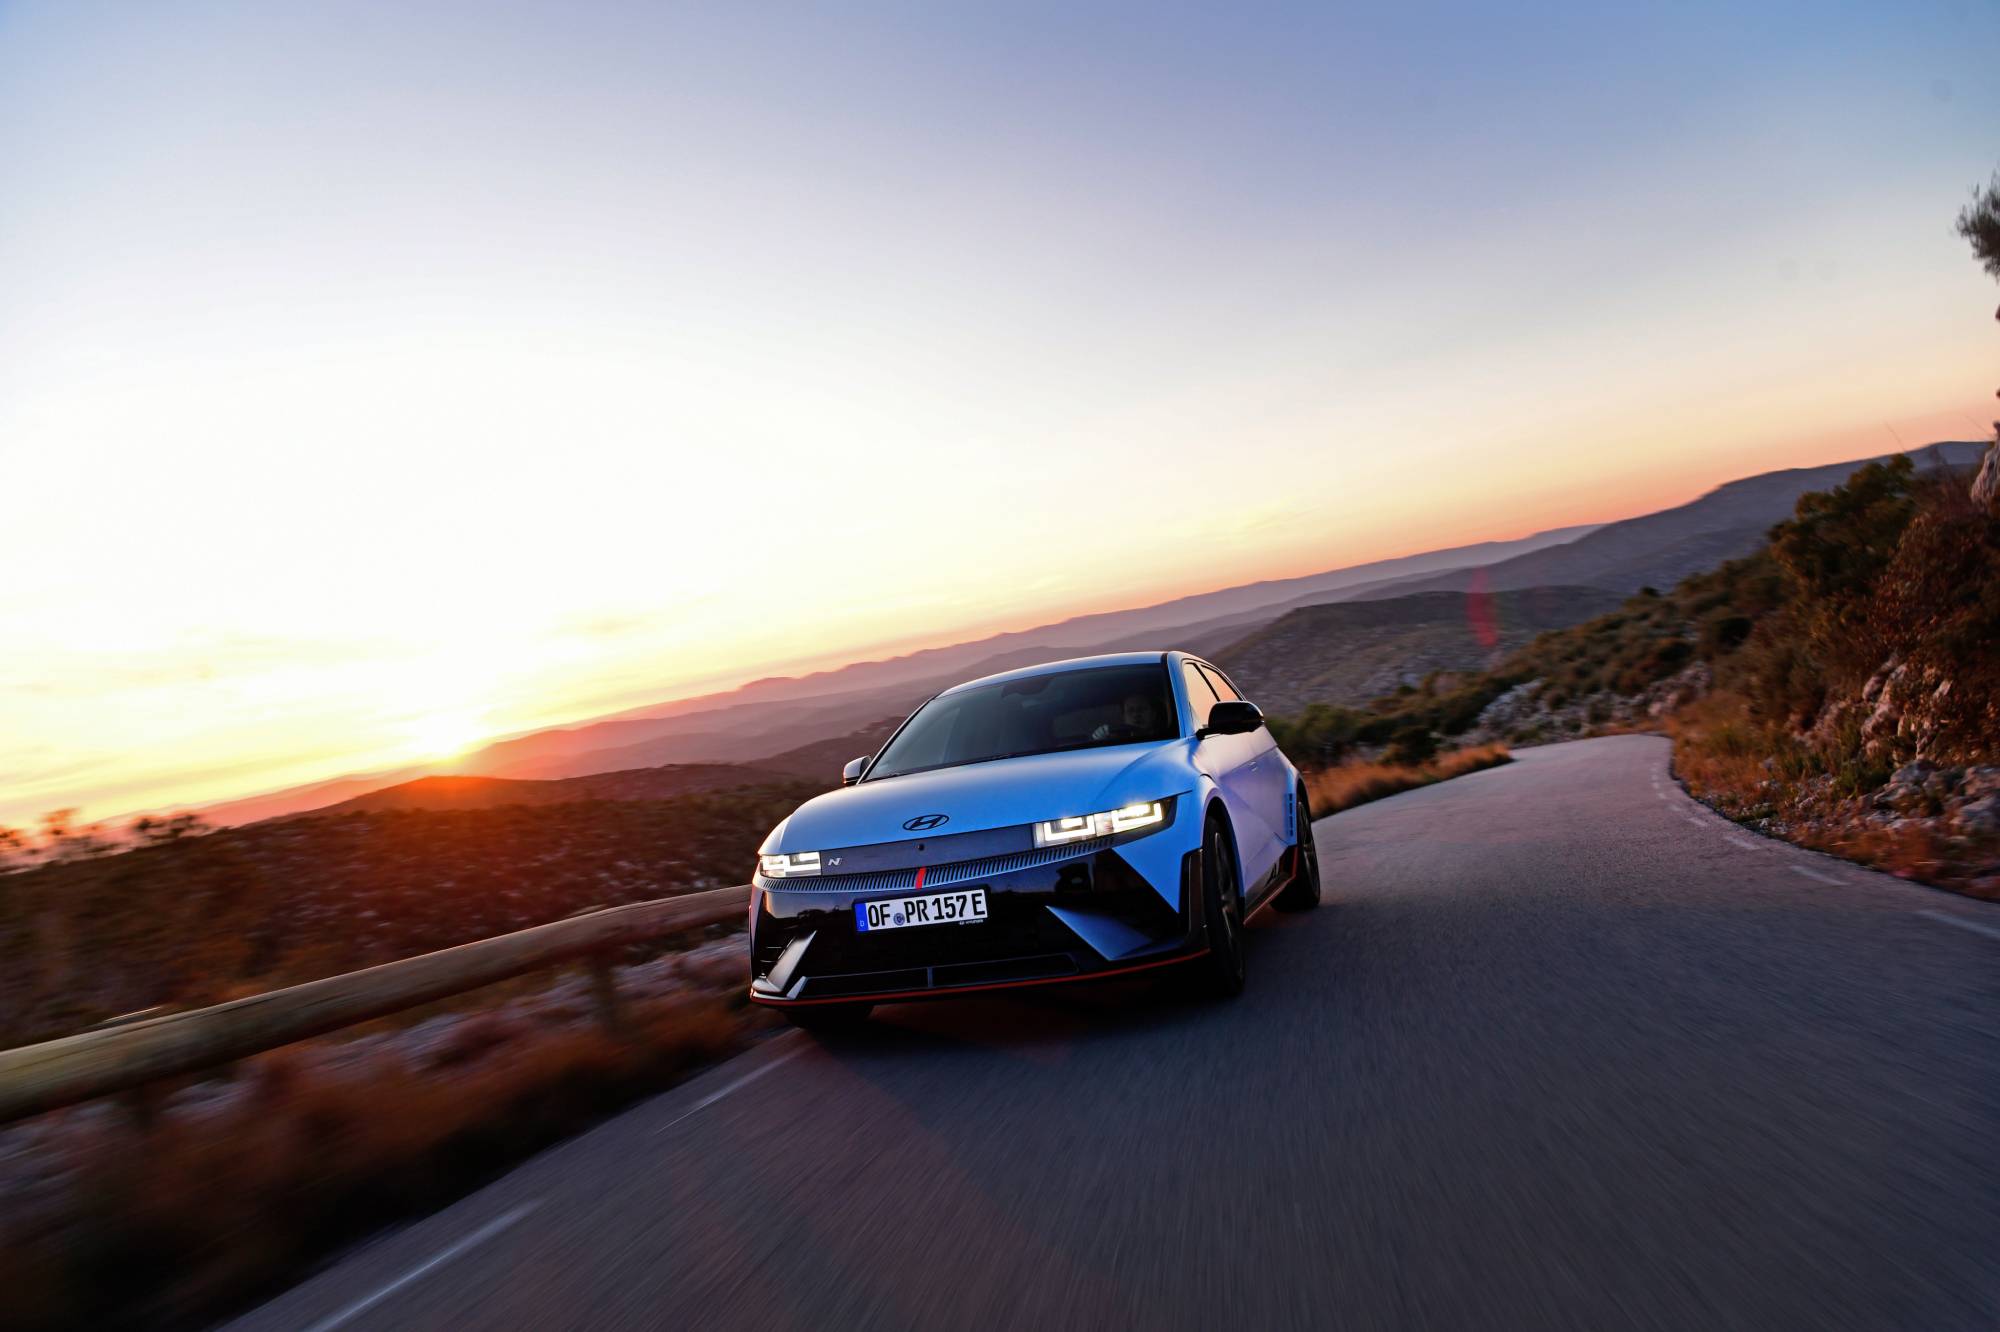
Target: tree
161 832
63 841
13 847
1979 223
57 826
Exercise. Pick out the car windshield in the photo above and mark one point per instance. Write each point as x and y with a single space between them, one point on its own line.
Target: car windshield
1038 714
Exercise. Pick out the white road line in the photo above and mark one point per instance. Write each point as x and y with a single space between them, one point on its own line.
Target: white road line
1814 874
1746 843
1962 923
444 1255
718 1094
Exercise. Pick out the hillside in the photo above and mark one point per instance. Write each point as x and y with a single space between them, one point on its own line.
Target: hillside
822 760
1350 651
211 917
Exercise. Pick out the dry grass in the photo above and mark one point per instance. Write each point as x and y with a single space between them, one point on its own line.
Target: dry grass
303 1164
1915 851
1349 784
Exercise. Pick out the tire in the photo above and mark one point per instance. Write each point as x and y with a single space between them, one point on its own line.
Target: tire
1219 972
1302 893
828 1017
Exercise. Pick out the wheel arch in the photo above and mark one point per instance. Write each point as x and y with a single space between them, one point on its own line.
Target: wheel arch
1214 809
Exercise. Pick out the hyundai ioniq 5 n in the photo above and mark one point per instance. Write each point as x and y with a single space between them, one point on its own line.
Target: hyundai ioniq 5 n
1063 822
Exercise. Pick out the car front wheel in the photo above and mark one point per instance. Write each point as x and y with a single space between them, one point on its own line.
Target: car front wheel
1221 969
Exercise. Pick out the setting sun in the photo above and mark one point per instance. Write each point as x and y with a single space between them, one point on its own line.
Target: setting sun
443 736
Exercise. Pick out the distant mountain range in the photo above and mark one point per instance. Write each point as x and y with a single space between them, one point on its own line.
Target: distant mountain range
781 724
459 792
1659 549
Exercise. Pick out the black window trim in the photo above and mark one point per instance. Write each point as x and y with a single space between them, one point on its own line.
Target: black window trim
1194 664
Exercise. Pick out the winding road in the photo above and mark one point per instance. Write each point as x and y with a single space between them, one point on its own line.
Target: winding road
1561 1050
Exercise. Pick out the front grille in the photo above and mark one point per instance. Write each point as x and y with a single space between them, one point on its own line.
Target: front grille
945 976
943 876
1009 969
866 982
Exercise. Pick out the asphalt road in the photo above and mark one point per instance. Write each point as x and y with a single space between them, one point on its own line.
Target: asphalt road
1562 1049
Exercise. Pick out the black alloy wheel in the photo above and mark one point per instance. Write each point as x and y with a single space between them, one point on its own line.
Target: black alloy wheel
1221 969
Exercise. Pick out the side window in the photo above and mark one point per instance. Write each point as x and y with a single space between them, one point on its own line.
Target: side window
1220 682
1201 695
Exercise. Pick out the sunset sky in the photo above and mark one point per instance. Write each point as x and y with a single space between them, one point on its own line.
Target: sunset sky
377 378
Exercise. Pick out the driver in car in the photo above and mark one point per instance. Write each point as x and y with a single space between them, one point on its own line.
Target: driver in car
1139 717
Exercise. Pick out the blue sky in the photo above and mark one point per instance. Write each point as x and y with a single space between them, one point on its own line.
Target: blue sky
374 377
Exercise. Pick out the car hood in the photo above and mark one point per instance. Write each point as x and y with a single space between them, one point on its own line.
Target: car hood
979 796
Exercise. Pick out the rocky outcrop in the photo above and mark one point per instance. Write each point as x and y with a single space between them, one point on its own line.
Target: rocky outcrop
1896 713
1951 813
1523 715
1986 485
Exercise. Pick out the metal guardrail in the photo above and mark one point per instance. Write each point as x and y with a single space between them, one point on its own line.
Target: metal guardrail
128 1057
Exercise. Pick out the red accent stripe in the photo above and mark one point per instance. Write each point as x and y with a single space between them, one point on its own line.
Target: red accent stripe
890 996
920 875
1272 896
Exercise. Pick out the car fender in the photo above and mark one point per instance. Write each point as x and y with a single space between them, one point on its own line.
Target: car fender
774 841
1157 858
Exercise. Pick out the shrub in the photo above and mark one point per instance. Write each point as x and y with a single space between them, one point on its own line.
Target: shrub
1723 632
1410 746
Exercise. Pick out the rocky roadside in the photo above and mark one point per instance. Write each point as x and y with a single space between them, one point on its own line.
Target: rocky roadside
1932 820
1934 823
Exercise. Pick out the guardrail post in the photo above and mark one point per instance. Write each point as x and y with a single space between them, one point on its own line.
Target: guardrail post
142 1100
604 994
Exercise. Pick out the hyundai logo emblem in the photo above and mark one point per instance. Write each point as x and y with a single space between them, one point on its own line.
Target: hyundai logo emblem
925 822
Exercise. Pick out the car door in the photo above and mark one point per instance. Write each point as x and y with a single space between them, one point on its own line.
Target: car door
1264 783
1229 760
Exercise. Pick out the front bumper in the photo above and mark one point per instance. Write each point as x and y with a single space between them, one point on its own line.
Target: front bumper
1087 916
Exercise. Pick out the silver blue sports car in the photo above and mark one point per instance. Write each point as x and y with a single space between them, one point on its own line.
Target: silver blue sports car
1061 822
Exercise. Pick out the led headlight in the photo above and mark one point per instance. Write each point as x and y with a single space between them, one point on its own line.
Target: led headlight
792 865
1083 827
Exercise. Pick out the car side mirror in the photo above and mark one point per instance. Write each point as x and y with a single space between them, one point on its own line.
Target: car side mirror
1236 716
851 774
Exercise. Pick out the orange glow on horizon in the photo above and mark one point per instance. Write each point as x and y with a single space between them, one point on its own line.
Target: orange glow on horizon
556 685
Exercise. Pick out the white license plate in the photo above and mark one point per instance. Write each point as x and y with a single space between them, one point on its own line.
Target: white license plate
898 913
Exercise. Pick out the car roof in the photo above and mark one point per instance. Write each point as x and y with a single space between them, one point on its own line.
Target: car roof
1069 664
